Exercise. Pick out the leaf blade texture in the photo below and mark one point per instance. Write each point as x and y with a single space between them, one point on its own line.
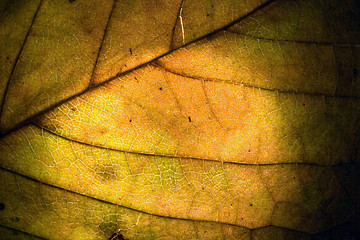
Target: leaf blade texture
179 119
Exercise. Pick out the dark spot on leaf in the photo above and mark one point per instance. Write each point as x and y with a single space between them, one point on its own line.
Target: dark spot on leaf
15 219
160 88
105 171
135 78
355 72
249 150
189 119
103 131
212 6
71 1
205 231
202 188
304 105
130 50
89 30
7 58
2 206
117 236
251 204
207 14
73 109
130 120
32 32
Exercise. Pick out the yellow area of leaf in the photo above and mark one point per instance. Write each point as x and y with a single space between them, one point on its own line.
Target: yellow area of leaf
74 45
246 195
308 68
57 58
239 134
154 111
138 32
183 188
55 213
198 18
13 30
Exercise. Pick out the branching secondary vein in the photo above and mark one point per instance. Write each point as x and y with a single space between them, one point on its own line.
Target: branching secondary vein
175 156
17 59
4 132
158 65
293 41
101 44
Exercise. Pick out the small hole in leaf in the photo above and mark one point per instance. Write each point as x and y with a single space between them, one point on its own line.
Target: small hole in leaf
2 206
160 88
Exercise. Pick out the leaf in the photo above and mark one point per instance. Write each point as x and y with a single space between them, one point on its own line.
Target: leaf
180 120
79 47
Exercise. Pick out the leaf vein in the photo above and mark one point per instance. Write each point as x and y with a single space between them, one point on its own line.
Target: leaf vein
101 44
111 203
293 41
203 79
16 229
176 156
17 59
119 74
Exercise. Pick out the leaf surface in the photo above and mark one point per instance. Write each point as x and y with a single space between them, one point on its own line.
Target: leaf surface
181 120
74 45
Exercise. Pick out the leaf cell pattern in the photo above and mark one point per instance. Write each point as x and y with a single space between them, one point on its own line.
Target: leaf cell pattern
179 119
